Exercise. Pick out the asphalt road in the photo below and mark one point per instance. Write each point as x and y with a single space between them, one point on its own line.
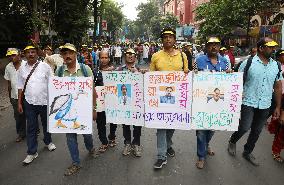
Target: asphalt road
111 168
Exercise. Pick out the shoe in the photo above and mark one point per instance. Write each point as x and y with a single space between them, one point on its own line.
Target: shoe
103 148
159 164
30 159
71 170
93 153
251 159
51 147
210 151
127 149
19 139
171 152
232 149
200 164
137 150
112 143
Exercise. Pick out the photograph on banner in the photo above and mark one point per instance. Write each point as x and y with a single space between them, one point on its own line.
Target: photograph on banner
168 99
101 98
70 105
217 99
124 102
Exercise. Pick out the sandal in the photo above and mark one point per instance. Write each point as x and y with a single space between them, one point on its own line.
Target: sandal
210 152
103 148
71 170
200 164
112 143
278 158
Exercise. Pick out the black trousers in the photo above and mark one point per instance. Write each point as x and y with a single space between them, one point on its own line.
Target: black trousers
101 126
127 134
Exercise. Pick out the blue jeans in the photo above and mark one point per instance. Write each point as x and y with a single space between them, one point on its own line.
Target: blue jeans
203 139
73 145
254 119
164 141
32 112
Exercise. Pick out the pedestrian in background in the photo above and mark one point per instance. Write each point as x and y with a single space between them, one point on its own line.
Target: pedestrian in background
11 75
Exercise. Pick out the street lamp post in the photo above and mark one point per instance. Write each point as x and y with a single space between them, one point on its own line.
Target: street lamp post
96 6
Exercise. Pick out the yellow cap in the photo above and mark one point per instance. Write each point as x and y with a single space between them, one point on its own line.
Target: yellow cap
282 52
271 44
69 47
84 45
29 47
12 51
130 50
223 48
168 32
213 40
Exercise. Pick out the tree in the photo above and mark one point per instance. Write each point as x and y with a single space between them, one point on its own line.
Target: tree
71 19
150 21
220 17
111 12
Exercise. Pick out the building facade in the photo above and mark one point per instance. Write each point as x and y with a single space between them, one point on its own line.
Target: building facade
183 9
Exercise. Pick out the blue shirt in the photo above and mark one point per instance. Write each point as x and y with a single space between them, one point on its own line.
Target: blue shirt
259 83
94 56
204 63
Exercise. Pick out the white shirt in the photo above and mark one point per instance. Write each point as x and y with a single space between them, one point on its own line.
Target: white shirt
145 51
54 60
11 74
117 51
36 89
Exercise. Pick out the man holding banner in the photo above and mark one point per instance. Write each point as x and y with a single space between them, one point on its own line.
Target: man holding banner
168 59
262 76
72 68
211 61
130 58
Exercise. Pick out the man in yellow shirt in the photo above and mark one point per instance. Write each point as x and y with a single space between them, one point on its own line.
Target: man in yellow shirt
168 59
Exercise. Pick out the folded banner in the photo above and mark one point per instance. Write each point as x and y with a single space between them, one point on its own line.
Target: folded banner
217 99
168 100
124 102
70 101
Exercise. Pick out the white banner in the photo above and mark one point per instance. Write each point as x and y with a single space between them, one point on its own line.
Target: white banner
217 99
70 101
101 98
168 100
124 102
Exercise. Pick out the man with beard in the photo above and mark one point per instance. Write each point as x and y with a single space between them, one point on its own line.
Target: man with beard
261 80
168 59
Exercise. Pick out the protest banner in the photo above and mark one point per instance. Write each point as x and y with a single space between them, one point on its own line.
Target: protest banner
217 99
168 100
124 102
70 101
101 98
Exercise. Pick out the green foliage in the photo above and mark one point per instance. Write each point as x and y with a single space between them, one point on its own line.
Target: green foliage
220 17
111 12
71 20
150 21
